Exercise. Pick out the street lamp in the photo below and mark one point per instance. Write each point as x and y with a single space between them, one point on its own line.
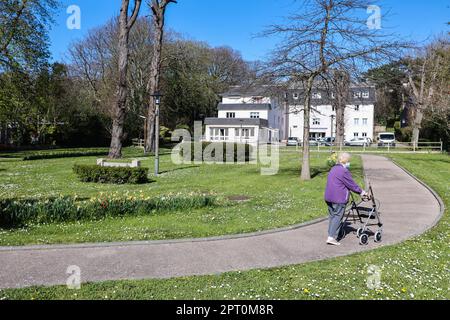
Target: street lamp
157 98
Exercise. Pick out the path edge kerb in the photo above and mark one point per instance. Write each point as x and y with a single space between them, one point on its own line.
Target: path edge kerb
161 242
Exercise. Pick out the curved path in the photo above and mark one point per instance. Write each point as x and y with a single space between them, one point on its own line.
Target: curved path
408 209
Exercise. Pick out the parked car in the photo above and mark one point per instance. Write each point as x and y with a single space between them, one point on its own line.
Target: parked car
329 141
312 143
359 142
386 139
293 142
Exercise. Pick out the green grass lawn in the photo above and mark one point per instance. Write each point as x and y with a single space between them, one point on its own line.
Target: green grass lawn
273 201
416 269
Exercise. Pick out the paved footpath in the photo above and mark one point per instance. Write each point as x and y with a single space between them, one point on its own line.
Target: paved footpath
408 209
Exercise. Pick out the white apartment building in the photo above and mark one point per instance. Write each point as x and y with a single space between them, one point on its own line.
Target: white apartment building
359 114
247 115
253 116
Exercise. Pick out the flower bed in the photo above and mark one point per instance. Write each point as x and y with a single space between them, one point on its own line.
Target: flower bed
15 213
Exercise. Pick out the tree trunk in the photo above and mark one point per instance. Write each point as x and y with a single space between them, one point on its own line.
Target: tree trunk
117 133
155 69
417 125
306 168
341 90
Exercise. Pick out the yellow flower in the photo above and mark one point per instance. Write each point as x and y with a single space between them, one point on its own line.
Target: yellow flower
404 290
305 291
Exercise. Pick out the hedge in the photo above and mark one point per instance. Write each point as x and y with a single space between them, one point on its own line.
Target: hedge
98 174
64 154
15 213
235 147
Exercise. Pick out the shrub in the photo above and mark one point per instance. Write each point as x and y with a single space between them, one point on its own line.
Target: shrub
16 213
240 152
64 154
94 173
332 160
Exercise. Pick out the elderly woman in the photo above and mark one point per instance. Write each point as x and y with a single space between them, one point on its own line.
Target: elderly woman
340 184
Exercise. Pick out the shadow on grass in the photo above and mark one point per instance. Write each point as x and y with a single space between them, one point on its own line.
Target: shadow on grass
315 171
179 169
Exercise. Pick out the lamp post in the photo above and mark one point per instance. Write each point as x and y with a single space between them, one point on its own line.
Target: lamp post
157 96
332 125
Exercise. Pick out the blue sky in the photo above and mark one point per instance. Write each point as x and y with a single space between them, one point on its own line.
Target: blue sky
236 22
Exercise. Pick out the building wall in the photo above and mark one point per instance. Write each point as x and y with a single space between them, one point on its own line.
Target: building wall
324 112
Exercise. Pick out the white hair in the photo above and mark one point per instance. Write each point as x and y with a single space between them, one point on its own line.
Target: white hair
344 157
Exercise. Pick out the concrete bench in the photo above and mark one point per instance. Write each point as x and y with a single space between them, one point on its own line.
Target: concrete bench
105 163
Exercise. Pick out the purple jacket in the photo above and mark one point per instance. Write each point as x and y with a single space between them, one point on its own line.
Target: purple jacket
340 181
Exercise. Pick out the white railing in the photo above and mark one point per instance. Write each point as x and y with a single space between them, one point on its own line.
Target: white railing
139 143
398 147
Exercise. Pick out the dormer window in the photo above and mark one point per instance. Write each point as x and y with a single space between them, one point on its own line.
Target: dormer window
254 115
357 94
317 95
231 115
366 95
295 96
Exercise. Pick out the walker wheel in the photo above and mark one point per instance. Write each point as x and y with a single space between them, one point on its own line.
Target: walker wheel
364 239
378 236
359 232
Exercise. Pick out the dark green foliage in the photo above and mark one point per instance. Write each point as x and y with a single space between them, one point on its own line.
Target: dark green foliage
94 173
19 213
64 154
238 152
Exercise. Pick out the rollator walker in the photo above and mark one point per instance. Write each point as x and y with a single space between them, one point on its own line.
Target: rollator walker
365 217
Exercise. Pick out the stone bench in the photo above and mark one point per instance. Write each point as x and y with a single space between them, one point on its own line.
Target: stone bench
105 163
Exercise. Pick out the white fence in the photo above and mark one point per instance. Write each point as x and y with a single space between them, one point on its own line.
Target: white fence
399 147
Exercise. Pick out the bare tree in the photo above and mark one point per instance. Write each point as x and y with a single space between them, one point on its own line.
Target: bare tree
119 113
158 8
426 75
328 34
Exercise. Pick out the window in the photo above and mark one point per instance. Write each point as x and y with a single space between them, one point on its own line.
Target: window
366 95
365 121
364 134
317 95
356 121
295 96
231 115
333 95
357 108
316 122
246 133
356 135
357 94
219 134
254 115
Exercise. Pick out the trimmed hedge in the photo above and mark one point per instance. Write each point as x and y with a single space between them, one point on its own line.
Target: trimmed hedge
16 213
64 154
94 173
236 148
